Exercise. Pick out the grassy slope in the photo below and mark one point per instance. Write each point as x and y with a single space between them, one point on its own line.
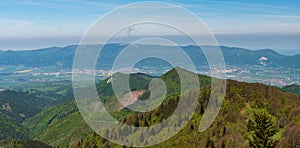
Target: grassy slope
70 129
58 125
50 116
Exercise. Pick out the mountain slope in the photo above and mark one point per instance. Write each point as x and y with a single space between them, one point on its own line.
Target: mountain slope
241 101
21 105
67 131
9 128
18 106
23 144
58 125
49 116
292 89
63 124
291 61
230 126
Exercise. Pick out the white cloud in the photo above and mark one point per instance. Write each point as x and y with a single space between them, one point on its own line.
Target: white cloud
246 4
28 29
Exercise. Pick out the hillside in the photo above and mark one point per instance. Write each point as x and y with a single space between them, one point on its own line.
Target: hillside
230 127
23 144
293 61
292 89
61 126
58 125
21 105
49 116
16 107
10 128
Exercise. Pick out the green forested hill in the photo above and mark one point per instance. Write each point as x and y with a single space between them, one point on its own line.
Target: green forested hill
292 89
10 128
58 125
21 105
63 125
49 116
67 131
230 127
136 81
23 144
17 106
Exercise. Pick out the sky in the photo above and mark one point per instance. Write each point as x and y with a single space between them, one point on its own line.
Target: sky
255 24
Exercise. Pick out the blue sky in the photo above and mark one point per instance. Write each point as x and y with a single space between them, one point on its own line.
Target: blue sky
29 24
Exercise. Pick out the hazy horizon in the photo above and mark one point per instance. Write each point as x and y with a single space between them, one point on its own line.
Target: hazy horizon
287 52
248 41
32 24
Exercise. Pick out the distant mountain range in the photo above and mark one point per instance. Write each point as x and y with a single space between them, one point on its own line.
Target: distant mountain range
63 57
288 51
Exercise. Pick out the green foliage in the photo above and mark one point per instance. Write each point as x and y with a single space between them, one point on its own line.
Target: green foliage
23 144
136 81
291 136
49 116
292 89
241 100
67 131
22 117
21 103
9 128
58 125
19 106
261 130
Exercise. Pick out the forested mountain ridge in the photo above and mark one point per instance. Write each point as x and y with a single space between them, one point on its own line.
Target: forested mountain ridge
64 126
230 127
292 89
23 144
18 106
63 56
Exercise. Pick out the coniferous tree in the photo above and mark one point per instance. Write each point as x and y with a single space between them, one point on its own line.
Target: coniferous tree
261 131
